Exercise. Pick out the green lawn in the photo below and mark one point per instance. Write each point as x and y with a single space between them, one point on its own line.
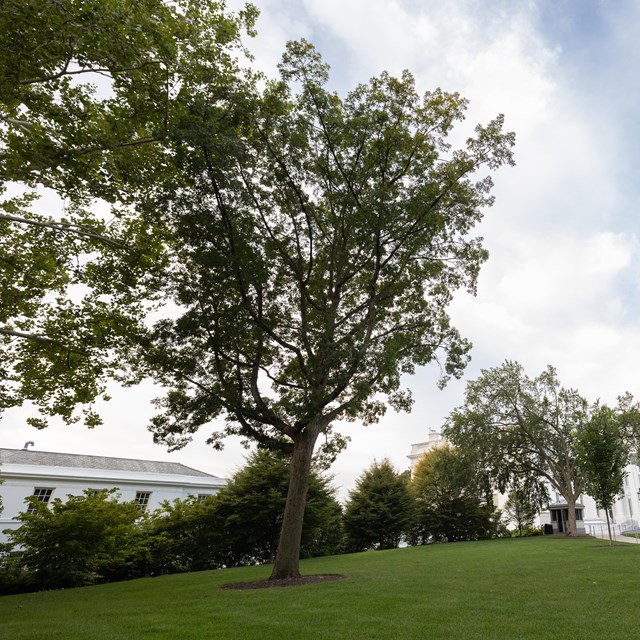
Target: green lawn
514 588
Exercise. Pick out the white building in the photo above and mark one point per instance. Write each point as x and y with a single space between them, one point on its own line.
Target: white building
625 512
420 448
49 475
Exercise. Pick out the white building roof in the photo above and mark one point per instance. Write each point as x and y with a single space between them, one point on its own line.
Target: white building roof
106 463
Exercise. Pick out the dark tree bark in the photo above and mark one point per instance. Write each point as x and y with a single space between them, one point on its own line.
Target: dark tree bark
287 564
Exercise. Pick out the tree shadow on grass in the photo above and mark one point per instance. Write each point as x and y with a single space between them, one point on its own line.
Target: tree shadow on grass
287 582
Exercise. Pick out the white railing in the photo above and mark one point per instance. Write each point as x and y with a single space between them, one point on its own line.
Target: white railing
599 530
629 525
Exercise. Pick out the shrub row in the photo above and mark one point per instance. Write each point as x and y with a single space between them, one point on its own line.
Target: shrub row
94 538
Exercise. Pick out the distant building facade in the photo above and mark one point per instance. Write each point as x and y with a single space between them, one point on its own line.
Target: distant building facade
418 449
49 475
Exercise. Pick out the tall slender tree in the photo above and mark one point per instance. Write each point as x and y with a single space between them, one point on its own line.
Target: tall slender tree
602 453
520 509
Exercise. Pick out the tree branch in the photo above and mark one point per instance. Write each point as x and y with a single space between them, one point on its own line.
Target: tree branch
66 227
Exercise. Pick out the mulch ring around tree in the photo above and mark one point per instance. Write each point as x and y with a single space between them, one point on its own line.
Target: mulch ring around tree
286 582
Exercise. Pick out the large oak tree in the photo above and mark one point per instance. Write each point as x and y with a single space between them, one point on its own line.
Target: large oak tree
306 245
315 248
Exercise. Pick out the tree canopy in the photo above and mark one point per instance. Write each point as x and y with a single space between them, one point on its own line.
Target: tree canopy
379 511
87 89
306 247
523 430
91 94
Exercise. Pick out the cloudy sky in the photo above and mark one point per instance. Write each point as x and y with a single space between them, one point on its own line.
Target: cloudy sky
561 286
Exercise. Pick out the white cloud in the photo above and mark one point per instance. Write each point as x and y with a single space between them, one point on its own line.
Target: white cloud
551 275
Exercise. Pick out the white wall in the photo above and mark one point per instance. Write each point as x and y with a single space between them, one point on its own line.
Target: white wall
626 508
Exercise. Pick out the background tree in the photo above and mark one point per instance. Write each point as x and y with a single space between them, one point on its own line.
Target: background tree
602 454
450 502
379 511
523 430
520 509
628 416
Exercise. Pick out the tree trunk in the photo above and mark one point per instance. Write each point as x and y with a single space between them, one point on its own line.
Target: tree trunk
572 530
609 526
287 564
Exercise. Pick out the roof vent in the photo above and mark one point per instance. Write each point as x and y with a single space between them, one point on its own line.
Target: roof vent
27 444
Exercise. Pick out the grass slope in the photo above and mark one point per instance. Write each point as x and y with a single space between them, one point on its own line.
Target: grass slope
520 589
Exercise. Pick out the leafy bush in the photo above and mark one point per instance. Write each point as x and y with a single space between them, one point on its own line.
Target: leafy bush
241 524
14 578
87 539
526 532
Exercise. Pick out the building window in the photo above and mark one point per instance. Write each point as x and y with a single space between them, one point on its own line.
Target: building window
43 495
142 499
203 496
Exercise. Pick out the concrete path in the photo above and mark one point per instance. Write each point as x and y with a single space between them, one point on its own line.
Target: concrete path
597 532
